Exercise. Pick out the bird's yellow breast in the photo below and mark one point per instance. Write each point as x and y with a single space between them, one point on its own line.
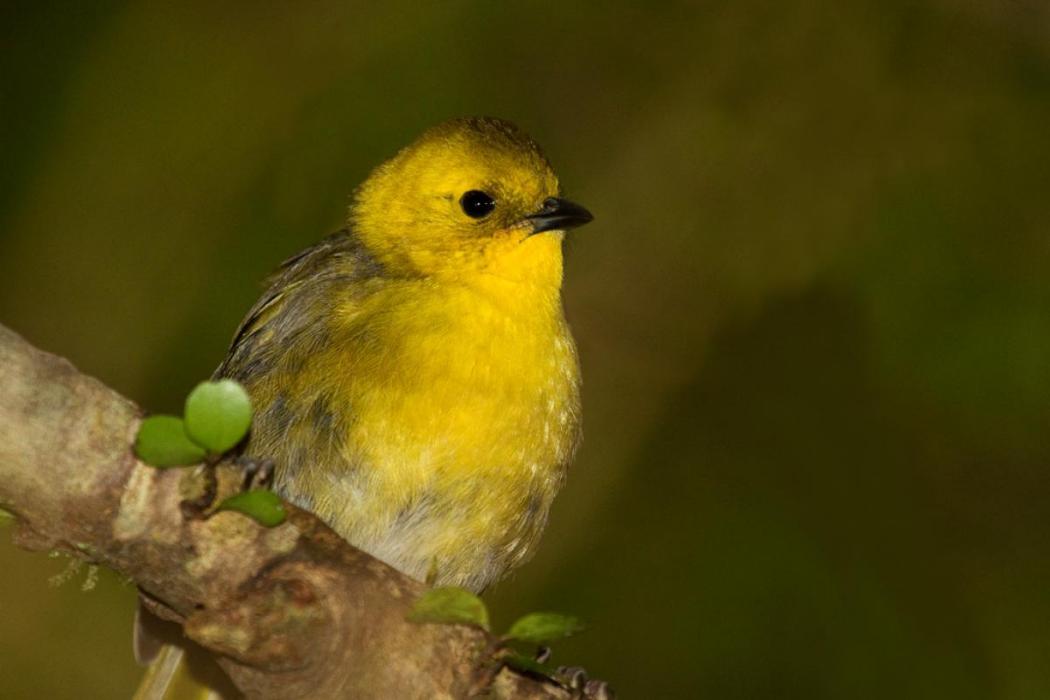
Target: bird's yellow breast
450 411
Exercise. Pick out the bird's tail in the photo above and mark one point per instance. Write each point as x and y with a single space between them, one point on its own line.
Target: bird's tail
170 678
178 669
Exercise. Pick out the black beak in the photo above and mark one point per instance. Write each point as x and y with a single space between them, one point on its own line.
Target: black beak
558 215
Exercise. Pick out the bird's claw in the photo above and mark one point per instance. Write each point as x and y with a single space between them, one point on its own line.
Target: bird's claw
258 472
575 679
255 474
595 689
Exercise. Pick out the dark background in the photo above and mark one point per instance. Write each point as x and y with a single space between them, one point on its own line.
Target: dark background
813 310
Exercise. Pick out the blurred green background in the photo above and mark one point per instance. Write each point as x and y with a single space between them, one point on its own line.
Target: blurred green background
813 310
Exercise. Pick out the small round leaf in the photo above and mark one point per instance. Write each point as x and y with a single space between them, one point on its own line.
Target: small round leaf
218 414
262 505
544 627
451 606
162 442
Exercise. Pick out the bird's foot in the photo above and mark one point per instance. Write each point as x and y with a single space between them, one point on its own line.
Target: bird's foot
226 479
575 679
258 472
572 678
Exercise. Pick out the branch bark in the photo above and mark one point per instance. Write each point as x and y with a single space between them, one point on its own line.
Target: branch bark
290 612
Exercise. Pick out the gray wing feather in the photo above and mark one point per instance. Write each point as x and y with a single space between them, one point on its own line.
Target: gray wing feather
296 297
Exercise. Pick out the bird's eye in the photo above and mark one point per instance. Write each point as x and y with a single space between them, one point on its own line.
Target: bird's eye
476 204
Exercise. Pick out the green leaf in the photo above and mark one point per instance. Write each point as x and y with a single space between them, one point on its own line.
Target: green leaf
262 505
450 605
162 442
218 414
521 662
544 627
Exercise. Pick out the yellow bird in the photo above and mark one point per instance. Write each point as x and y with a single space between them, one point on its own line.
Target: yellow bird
414 380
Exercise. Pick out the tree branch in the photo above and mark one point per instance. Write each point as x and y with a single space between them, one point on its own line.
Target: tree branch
291 612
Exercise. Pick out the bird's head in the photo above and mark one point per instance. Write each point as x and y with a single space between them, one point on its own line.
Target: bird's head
470 196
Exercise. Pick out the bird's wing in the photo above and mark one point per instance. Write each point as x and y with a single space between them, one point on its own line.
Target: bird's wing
290 304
